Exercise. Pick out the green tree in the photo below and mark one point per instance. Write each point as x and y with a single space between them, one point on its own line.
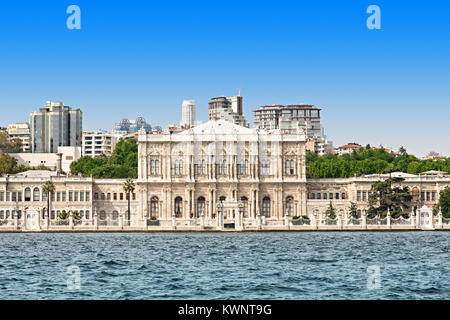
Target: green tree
7 163
122 164
48 188
331 212
128 188
387 195
444 202
352 211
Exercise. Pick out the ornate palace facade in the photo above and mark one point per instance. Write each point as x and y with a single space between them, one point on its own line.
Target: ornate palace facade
211 176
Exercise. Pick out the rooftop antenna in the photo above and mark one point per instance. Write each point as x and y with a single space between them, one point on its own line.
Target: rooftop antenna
239 92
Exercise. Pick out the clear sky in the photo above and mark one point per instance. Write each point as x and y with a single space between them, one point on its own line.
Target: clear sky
142 58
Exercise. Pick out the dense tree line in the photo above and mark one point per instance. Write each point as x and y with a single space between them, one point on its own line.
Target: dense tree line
122 164
369 161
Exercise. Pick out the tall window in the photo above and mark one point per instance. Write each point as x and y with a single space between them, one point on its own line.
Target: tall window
178 167
200 206
265 167
27 194
220 209
243 168
289 167
36 194
222 167
266 206
154 167
200 167
178 206
289 206
244 201
154 207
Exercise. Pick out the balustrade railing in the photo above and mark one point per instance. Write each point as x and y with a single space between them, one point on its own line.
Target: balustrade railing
400 221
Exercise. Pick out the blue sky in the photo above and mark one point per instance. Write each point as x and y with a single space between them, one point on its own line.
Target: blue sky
142 58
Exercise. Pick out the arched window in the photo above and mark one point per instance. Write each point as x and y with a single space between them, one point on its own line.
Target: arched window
266 206
154 207
102 215
178 207
27 194
115 215
36 194
200 206
289 206
244 201
87 214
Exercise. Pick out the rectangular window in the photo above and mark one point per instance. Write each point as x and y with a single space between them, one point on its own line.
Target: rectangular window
58 196
70 196
134 196
103 196
2 196
422 196
343 196
19 196
13 197
53 196
63 196
88 195
358 195
428 196
313 196
364 196
7 196
75 196
337 195
331 196
433 196
96 196
121 196
108 196
319 196
81 196
324 196
115 196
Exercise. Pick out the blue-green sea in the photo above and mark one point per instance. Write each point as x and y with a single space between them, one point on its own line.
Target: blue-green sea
312 265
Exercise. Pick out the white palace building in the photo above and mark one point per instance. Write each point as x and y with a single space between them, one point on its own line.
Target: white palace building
216 176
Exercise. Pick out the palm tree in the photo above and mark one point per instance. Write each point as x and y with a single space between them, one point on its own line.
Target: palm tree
48 188
128 187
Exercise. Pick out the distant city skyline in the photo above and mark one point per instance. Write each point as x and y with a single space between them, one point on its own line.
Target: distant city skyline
387 86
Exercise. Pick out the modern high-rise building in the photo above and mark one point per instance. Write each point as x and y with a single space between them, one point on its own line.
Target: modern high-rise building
98 142
228 108
55 125
290 119
188 113
20 131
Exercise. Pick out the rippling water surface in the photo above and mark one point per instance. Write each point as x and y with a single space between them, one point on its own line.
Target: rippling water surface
323 265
